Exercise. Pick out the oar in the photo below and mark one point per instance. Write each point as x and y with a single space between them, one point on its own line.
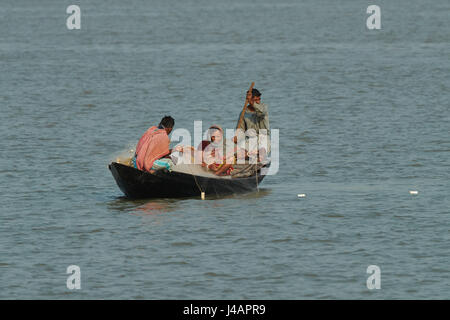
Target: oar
245 107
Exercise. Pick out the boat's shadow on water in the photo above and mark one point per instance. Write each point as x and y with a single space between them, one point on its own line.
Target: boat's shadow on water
261 193
164 205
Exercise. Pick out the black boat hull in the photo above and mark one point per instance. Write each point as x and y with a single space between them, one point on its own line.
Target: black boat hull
135 183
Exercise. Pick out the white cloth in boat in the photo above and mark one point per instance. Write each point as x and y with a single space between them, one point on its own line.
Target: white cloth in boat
197 170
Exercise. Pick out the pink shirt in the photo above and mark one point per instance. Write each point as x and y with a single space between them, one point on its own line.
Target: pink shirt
153 145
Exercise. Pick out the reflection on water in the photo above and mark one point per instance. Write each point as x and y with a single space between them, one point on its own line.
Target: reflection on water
152 212
143 207
152 206
151 209
248 195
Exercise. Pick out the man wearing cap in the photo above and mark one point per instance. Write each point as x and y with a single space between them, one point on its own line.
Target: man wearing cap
255 124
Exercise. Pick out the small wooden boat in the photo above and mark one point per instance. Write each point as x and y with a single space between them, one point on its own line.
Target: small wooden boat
179 183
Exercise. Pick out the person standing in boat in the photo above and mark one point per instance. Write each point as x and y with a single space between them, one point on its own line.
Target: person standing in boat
255 124
154 146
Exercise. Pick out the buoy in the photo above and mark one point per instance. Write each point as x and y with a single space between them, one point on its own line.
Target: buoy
203 196
301 195
414 192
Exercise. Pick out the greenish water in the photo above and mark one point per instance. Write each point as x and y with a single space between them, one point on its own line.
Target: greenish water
363 118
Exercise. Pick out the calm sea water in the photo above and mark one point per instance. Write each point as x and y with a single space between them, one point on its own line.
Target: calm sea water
363 118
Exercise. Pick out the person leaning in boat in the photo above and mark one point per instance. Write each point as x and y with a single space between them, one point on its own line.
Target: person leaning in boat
255 124
154 146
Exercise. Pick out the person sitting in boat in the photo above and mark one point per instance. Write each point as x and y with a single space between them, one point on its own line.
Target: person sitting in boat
255 126
153 147
213 153
217 155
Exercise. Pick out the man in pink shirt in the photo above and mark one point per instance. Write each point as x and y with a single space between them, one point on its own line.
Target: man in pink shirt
154 145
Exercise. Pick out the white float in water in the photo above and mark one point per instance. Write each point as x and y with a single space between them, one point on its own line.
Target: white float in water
414 192
301 195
